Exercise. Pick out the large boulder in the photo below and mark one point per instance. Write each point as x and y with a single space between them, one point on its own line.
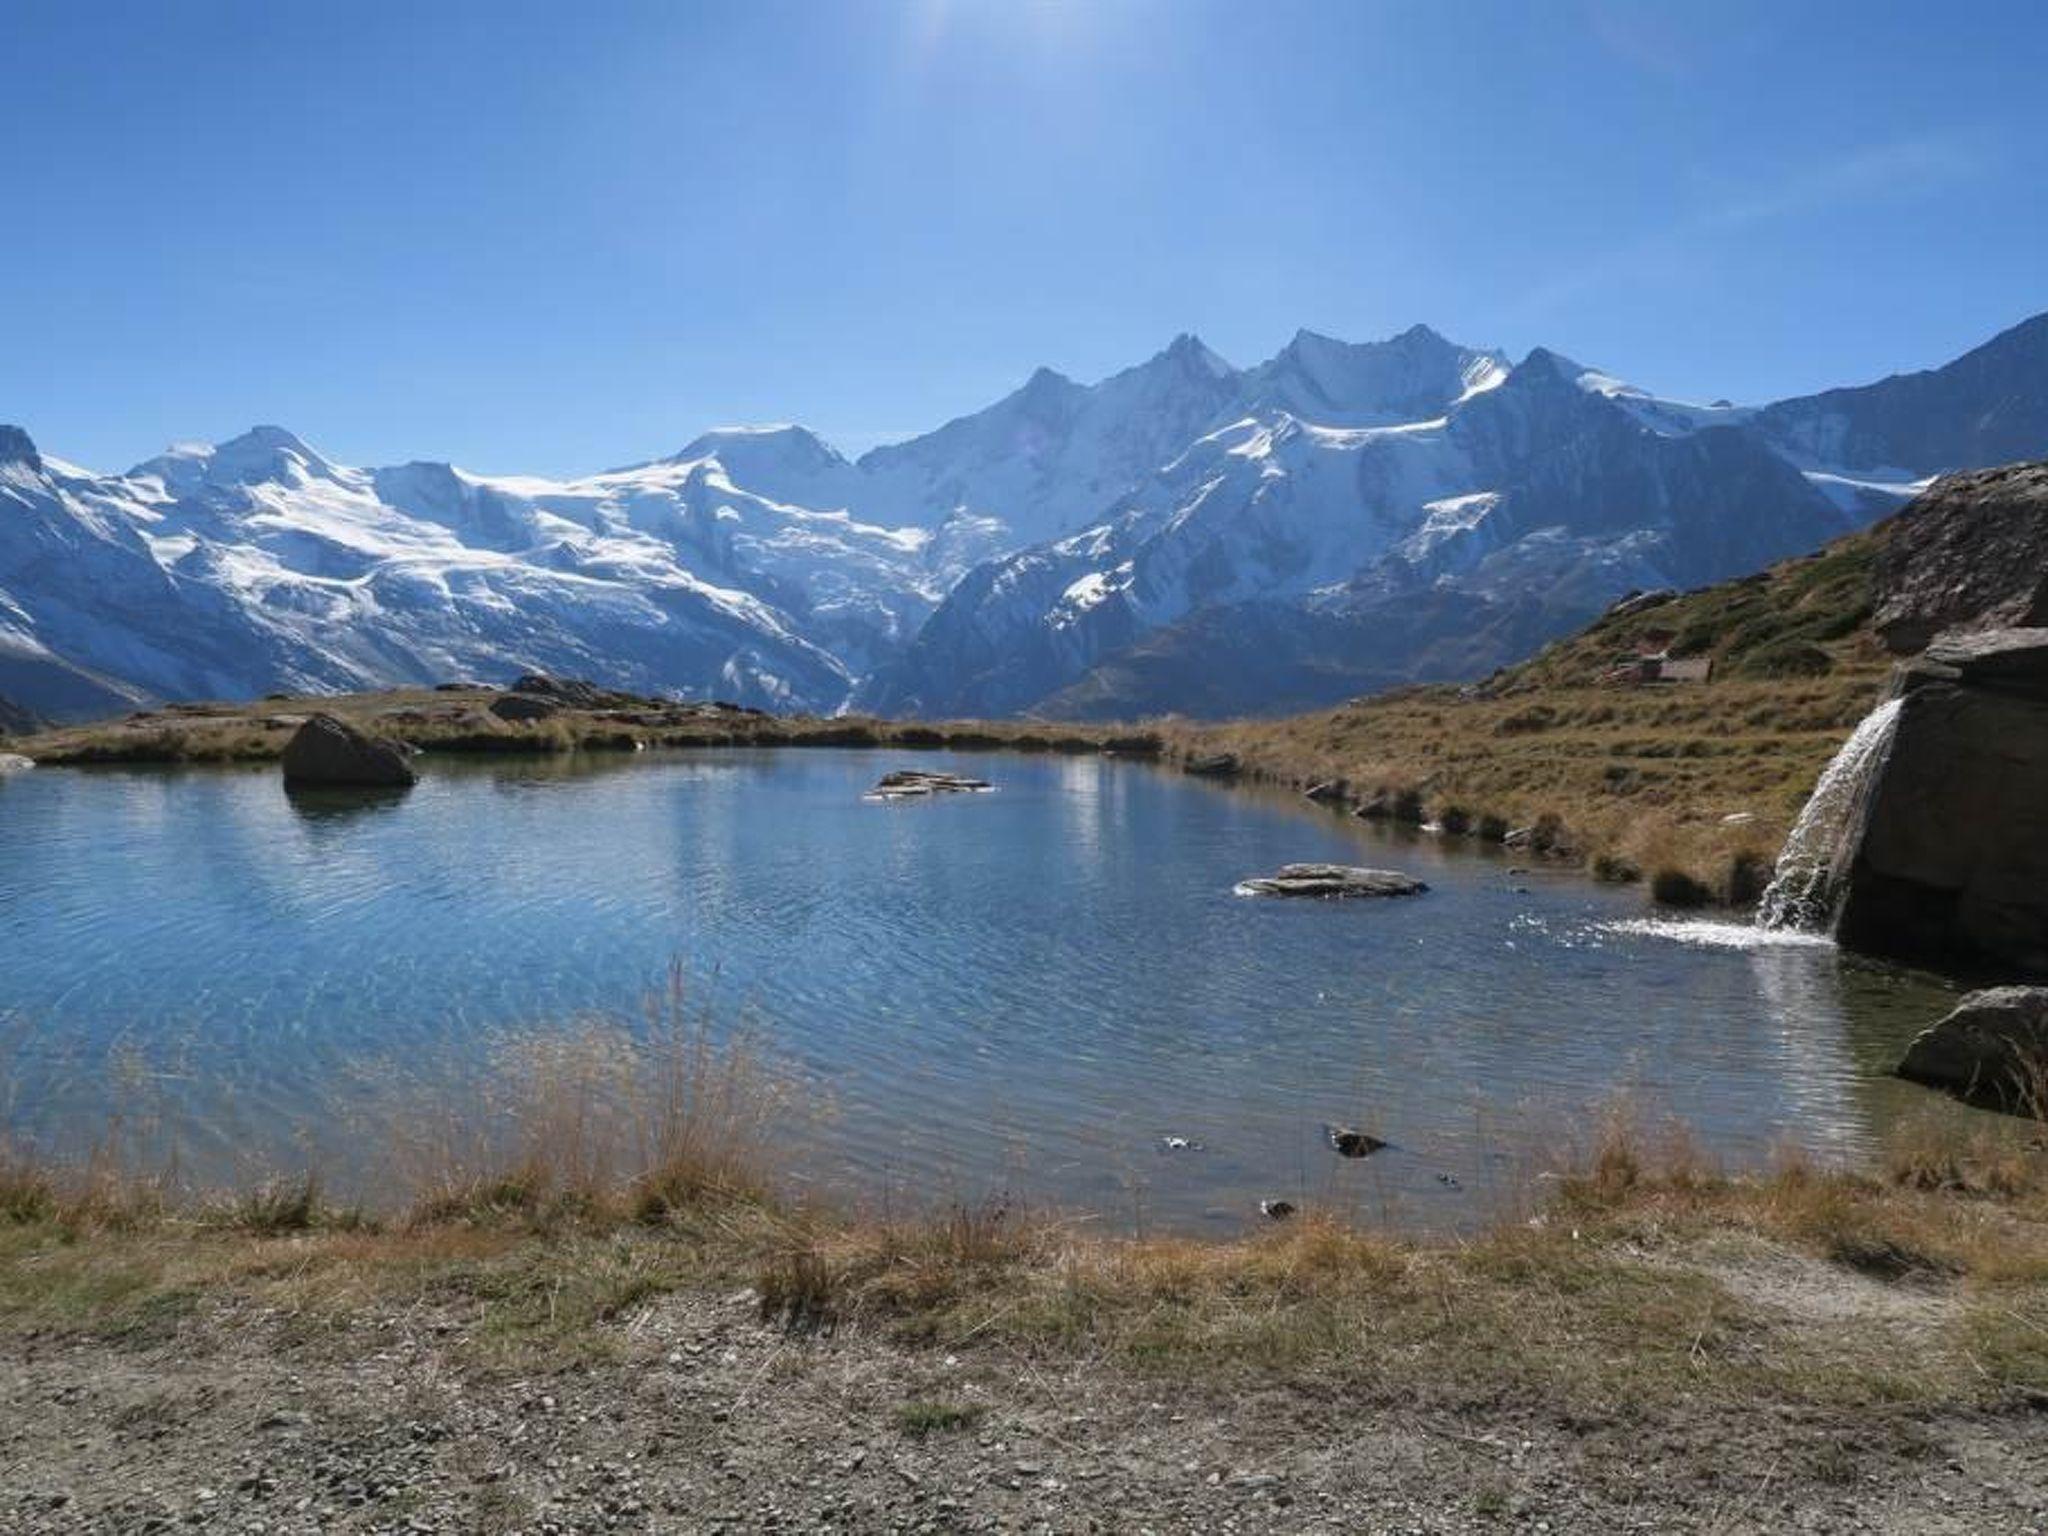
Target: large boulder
1946 862
1972 551
521 707
1992 1050
330 752
569 692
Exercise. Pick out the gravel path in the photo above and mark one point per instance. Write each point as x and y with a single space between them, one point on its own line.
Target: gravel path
695 1416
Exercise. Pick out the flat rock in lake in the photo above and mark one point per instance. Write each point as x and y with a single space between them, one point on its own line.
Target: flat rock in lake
912 783
1332 880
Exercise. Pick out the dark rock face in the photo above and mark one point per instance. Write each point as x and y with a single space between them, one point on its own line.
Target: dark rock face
16 447
1972 552
1948 863
1992 1050
15 721
1333 881
327 751
1989 406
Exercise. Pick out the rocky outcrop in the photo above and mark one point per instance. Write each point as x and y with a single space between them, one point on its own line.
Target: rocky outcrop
17 447
331 753
521 707
1971 553
1331 881
1946 861
1992 1050
570 692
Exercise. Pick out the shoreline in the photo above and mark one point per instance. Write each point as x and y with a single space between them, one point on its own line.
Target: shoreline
1712 858
1796 1348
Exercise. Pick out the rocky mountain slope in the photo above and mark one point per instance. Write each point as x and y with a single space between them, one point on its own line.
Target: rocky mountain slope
1282 563
1184 535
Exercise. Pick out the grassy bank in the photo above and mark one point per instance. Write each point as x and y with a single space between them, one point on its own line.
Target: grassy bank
459 721
1697 782
586 1298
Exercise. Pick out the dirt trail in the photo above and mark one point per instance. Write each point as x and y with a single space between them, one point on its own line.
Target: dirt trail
695 1416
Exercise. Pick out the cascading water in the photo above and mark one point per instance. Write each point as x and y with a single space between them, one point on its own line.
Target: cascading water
1802 895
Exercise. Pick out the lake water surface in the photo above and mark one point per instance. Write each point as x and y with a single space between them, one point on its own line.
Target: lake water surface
1024 990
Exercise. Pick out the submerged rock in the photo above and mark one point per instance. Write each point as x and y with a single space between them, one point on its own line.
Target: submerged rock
1992 1050
1213 765
1332 880
327 751
911 783
1347 1142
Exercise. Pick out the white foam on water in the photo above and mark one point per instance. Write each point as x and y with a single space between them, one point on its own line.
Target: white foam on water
1702 934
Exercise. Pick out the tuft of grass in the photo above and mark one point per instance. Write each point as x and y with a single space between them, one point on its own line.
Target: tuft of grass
602 1123
797 1291
935 1416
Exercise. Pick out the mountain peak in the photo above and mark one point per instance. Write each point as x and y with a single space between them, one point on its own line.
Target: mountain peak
1542 363
261 454
1190 352
17 447
786 443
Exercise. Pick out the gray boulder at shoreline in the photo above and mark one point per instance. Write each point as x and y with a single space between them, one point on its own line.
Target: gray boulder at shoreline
1992 1050
330 752
1331 881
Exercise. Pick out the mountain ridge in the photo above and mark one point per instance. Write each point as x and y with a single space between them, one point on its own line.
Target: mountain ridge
1354 495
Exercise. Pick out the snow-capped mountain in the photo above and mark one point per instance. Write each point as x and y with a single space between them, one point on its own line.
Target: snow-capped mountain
1310 549
1182 535
259 564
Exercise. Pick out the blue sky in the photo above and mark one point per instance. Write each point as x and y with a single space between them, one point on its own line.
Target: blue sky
552 238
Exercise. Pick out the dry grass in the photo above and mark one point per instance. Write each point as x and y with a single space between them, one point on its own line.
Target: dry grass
1644 780
1646 1275
1631 779
601 1123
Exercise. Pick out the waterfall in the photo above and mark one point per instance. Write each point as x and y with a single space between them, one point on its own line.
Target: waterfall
1802 895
